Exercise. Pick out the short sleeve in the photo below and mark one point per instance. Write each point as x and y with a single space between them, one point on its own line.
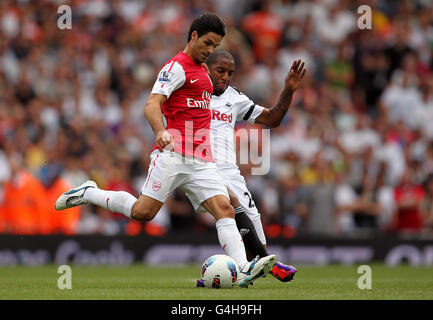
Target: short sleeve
170 78
248 110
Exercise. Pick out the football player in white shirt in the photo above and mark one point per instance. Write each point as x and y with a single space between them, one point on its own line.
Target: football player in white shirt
228 106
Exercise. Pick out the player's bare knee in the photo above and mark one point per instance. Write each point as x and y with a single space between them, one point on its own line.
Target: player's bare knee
227 210
141 213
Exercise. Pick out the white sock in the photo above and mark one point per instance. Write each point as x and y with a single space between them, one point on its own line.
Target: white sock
231 240
115 201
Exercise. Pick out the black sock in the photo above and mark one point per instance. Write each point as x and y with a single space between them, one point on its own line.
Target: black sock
248 232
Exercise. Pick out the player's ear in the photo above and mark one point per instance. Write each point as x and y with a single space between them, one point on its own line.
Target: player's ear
194 35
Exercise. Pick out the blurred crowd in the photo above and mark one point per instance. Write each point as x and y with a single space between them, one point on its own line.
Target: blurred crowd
354 156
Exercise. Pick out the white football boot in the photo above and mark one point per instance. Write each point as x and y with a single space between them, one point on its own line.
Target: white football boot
74 197
256 268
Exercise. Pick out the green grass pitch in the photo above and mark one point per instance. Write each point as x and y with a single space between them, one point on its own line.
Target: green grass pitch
142 282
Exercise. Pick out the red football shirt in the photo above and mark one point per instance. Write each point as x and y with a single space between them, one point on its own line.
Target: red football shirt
188 89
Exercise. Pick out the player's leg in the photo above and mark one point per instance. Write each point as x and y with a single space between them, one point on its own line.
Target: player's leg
143 208
206 189
253 245
248 214
165 175
231 241
228 234
243 201
154 193
88 192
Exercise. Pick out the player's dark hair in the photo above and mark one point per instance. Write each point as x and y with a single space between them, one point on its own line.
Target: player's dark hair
218 54
207 22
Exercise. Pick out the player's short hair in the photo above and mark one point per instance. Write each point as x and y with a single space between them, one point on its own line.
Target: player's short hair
207 22
218 54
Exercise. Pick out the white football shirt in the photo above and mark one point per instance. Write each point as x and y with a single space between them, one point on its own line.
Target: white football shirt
226 109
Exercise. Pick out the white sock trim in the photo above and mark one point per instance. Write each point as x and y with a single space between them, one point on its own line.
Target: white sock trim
225 222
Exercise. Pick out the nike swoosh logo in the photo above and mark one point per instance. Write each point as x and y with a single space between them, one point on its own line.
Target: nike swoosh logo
76 190
192 81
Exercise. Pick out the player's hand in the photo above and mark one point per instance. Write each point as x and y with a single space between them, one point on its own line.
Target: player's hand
164 140
295 75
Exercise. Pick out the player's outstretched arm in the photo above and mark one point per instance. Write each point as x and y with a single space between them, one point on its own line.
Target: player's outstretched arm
153 114
273 117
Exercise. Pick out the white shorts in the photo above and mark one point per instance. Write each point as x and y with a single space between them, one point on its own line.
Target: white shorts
236 183
169 170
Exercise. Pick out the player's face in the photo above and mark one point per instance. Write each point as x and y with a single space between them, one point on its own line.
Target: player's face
221 73
204 46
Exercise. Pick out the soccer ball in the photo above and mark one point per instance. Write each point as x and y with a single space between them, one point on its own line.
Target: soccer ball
219 271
